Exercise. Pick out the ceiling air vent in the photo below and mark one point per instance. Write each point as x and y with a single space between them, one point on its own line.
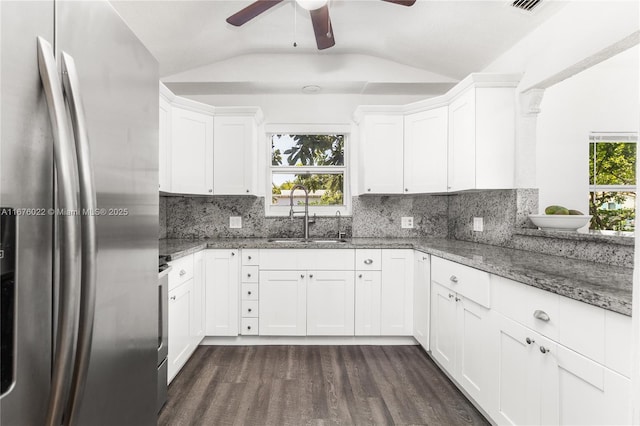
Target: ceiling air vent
526 5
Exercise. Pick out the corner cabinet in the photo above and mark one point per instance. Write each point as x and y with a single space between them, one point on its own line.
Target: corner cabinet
191 152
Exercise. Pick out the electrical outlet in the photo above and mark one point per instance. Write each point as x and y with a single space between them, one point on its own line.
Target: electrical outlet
478 224
407 222
235 222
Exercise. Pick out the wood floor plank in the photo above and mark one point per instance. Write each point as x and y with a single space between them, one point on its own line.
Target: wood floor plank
314 385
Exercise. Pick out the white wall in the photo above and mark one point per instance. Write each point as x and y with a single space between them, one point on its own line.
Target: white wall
603 98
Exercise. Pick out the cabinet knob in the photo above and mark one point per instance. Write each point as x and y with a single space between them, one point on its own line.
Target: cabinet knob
541 315
182 272
173 298
544 350
249 293
424 257
249 257
529 341
233 253
453 279
247 191
248 275
301 275
310 275
360 276
450 296
249 310
406 190
368 261
457 299
368 189
210 191
248 327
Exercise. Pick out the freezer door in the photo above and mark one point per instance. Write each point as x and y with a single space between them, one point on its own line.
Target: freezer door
26 184
119 88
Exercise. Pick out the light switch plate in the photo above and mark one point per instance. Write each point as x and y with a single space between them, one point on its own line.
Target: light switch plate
407 222
235 222
478 224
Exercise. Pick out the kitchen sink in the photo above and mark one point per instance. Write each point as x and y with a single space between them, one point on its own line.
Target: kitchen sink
307 241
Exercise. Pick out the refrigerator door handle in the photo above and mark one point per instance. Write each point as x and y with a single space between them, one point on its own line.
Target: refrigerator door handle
69 282
88 206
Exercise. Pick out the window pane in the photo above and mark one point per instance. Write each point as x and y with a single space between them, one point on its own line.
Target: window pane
615 163
614 211
324 189
307 150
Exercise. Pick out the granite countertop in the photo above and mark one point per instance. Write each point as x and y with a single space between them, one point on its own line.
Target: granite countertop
597 284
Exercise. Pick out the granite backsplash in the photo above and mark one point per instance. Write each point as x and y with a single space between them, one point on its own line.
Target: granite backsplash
378 216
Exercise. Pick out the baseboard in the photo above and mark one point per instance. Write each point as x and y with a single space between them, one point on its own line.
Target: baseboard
308 340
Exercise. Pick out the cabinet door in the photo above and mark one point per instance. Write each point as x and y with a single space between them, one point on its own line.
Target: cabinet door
396 301
579 391
425 151
180 321
368 292
462 143
222 292
234 160
330 303
473 369
381 153
443 326
164 136
283 303
199 305
191 152
421 298
515 397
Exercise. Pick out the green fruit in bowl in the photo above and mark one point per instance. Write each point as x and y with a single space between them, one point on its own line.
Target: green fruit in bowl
576 213
556 210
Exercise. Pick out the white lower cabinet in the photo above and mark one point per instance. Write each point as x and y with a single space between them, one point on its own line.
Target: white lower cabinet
330 303
283 303
367 301
421 298
396 297
222 292
197 331
459 340
180 327
544 383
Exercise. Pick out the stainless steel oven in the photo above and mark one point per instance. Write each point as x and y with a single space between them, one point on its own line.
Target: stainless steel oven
163 299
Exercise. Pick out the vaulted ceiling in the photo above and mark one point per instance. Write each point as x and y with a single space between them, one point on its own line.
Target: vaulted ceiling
432 42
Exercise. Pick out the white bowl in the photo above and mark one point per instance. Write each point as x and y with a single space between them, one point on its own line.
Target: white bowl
559 222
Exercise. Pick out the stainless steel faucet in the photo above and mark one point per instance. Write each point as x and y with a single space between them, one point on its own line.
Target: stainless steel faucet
306 207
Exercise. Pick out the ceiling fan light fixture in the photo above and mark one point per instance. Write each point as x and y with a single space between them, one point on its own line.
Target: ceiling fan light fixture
311 4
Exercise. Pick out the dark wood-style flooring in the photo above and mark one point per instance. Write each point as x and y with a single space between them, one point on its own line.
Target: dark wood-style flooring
299 385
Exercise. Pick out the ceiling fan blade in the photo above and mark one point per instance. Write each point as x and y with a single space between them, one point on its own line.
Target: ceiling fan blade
322 27
251 11
402 2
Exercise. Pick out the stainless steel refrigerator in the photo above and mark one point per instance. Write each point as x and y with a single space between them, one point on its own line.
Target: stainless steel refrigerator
79 130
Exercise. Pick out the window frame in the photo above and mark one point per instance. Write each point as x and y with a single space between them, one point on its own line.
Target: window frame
303 129
611 137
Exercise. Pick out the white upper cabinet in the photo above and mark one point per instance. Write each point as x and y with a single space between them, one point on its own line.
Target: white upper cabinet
381 154
425 151
234 155
164 136
191 152
482 139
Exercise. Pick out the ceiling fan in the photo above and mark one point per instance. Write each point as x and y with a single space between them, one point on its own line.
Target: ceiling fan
319 10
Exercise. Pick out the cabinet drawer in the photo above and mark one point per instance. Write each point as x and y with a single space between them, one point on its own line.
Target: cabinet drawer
249 291
249 274
305 259
250 257
182 271
250 309
368 259
468 282
249 326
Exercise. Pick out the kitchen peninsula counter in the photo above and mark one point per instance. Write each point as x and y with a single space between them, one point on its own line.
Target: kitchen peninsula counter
597 284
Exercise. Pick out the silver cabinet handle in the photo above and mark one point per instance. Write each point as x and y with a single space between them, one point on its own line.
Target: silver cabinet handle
544 350
368 189
450 296
368 261
310 275
301 275
182 272
71 84
453 279
529 341
541 315
458 299
69 272
360 276
173 297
